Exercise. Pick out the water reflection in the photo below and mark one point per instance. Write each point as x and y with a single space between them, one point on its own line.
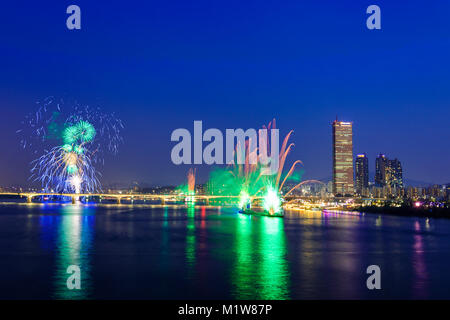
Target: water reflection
165 232
273 268
260 270
379 222
190 237
204 252
244 266
419 265
72 246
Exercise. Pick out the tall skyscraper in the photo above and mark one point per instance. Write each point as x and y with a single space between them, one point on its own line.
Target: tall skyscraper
389 176
380 170
394 174
361 173
342 158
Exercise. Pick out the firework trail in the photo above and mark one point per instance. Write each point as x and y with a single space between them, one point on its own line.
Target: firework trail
65 172
247 180
189 188
82 135
251 174
191 181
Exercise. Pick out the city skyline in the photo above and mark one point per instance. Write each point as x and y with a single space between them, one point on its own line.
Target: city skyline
392 84
378 174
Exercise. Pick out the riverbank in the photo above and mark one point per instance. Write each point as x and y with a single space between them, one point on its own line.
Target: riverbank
407 211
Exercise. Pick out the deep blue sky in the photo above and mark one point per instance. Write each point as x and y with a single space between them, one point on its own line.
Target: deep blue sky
160 65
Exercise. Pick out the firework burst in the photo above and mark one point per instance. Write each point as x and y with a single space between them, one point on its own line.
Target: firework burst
57 170
82 134
247 180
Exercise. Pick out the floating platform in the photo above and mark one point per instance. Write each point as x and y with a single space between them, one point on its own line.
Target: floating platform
264 213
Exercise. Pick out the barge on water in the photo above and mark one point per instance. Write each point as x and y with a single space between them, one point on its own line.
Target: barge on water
265 213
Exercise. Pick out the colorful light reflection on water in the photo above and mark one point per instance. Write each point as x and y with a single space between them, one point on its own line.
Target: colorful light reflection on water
74 228
200 252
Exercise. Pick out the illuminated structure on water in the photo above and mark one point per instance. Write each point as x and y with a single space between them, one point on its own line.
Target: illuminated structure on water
272 201
245 202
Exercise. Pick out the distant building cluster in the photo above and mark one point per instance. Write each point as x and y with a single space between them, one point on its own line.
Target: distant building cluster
350 179
388 177
432 193
349 182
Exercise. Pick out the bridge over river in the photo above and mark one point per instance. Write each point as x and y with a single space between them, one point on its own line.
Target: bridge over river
118 197
164 198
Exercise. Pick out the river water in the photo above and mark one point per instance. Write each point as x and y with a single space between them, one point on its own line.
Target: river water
187 252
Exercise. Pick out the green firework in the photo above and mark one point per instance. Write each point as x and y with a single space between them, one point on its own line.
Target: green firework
72 169
70 135
80 132
67 147
78 149
86 131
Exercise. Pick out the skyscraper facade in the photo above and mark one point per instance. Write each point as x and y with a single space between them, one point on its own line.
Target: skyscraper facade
342 158
380 170
394 174
361 174
389 176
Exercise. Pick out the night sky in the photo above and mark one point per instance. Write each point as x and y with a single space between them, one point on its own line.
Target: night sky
160 65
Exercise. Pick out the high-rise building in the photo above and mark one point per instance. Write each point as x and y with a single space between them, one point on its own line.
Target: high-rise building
389 175
361 173
342 158
394 174
380 170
